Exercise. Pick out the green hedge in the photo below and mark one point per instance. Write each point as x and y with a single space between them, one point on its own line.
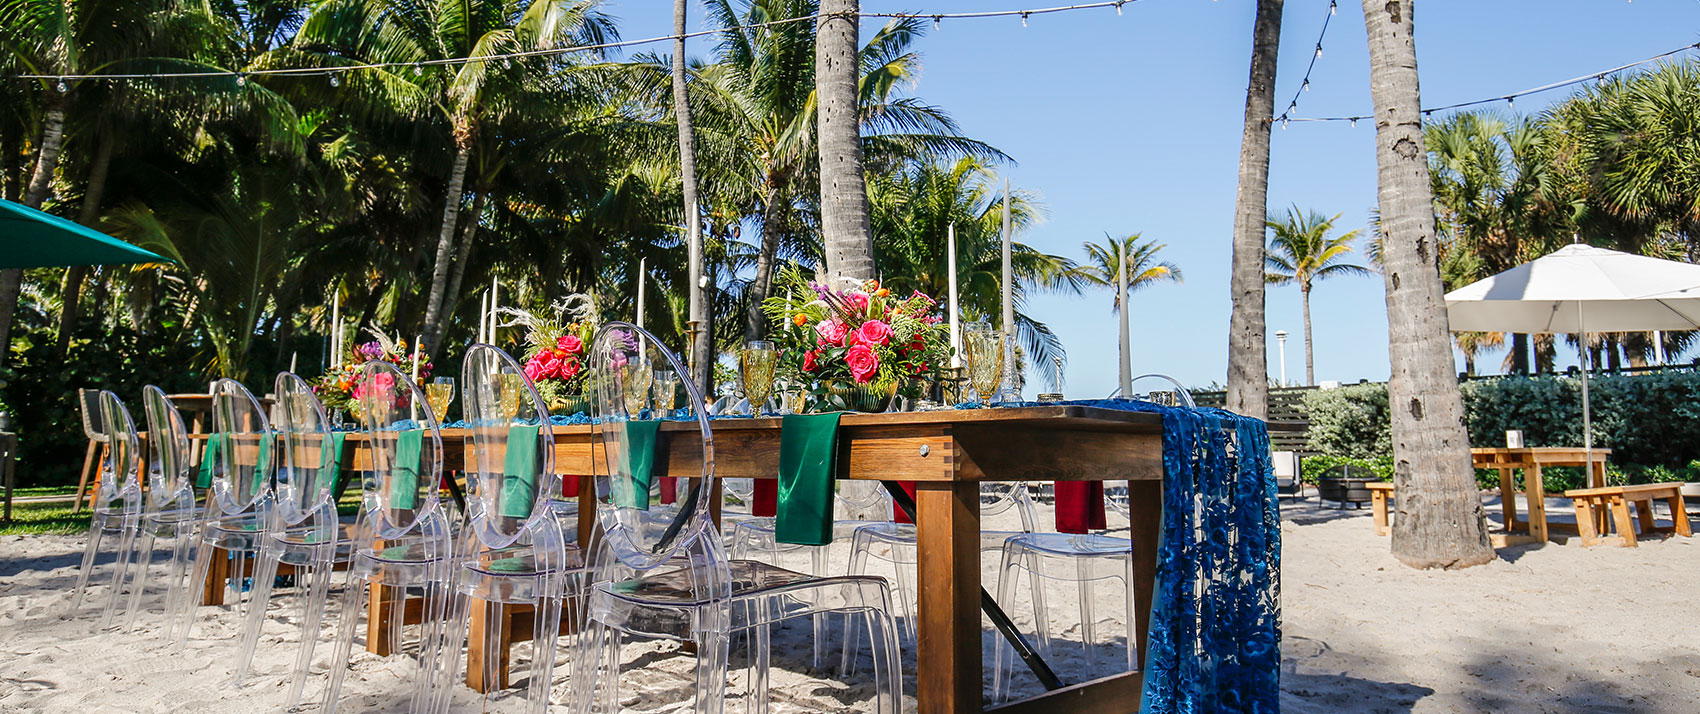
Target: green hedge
1651 422
1313 466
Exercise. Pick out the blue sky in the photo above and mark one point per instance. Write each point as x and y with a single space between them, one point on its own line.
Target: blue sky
1132 124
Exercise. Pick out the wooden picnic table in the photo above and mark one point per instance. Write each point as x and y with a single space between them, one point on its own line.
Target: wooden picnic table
947 453
1531 460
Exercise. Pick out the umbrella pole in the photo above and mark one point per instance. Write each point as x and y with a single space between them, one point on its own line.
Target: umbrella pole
1587 415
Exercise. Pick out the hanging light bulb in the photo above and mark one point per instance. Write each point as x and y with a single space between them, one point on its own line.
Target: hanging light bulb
1024 19
1284 122
62 87
418 69
935 22
1119 9
1332 6
1510 102
1319 49
335 82
1307 84
1354 121
241 79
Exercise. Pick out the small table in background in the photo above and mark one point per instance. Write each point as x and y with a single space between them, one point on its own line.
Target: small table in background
1531 460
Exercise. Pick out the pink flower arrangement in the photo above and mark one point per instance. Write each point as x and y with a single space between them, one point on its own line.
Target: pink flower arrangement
862 335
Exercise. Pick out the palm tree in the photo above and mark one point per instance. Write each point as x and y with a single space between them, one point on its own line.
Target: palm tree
1302 252
846 235
912 211
1248 366
468 97
1441 522
1104 267
1471 344
697 302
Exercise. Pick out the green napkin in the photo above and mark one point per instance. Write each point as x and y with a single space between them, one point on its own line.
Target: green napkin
263 462
519 471
640 462
808 448
209 460
330 458
404 473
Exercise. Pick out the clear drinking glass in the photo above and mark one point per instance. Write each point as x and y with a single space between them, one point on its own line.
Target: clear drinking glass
757 363
440 393
513 386
982 348
665 390
635 381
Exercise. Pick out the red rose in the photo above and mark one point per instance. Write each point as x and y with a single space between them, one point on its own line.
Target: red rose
570 368
863 363
871 333
570 343
832 331
809 361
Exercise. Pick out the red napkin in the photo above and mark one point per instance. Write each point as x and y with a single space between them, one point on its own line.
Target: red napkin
569 486
1080 506
766 498
669 489
897 514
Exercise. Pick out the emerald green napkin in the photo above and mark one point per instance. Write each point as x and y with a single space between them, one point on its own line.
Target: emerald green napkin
263 461
519 471
404 473
640 463
209 460
808 449
330 457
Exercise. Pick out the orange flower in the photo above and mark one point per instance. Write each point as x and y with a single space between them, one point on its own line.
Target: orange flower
882 293
800 319
871 285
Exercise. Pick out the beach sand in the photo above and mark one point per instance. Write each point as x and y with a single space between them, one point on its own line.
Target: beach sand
1554 628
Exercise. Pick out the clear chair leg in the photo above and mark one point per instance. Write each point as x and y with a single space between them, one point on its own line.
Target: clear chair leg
1088 619
1032 563
143 561
265 574
192 599
544 637
449 656
1133 663
182 542
348 621
1002 666
89 551
888 672
312 618
120 572
906 595
712 649
757 701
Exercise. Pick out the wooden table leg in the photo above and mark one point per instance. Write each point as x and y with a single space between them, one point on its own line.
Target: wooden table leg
1508 499
1536 493
218 571
1145 529
383 618
1644 514
1625 527
490 636
948 555
1585 520
1679 515
1378 499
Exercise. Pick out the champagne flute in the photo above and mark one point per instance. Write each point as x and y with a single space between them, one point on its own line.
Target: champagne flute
982 346
440 393
512 392
666 391
757 363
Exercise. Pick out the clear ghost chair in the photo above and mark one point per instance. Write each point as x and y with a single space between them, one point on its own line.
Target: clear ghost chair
117 510
671 579
301 529
895 543
170 511
1082 559
239 498
403 540
514 549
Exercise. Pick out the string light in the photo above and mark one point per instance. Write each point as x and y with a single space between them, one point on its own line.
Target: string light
62 87
558 51
1510 99
1305 85
335 82
241 80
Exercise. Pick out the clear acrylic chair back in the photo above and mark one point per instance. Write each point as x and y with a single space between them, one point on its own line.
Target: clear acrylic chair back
512 475
407 449
306 479
119 474
623 360
169 485
246 455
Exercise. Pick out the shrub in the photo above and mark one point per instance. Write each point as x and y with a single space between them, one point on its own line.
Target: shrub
1350 421
1312 467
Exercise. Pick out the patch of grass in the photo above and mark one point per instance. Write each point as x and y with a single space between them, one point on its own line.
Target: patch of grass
44 518
44 491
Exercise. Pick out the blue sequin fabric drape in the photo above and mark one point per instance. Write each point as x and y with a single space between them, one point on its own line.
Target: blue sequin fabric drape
1214 645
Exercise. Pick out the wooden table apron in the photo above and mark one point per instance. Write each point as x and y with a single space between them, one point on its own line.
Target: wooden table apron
1530 460
947 453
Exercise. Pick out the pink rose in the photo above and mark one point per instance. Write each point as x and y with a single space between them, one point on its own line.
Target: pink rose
863 363
570 368
858 300
809 364
552 367
832 331
533 370
570 343
872 332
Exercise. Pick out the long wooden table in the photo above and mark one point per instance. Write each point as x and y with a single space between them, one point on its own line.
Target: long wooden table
948 454
1530 460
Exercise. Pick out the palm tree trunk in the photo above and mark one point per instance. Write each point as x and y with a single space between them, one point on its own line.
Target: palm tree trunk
702 332
845 230
1248 358
755 324
1440 521
1519 353
47 162
463 255
1310 353
70 295
446 239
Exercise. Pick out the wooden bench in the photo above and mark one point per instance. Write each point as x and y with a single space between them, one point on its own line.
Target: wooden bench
1380 492
1592 505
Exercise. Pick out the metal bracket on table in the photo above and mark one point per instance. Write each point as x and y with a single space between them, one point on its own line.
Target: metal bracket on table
999 618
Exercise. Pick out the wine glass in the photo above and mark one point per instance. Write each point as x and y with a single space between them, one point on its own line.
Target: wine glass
635 380
757 363
512 392
440 393
665 391
982 346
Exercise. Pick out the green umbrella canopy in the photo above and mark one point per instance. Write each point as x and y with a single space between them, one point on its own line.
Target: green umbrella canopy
32 239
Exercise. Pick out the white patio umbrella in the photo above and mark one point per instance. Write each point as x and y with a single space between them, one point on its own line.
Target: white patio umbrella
1581 289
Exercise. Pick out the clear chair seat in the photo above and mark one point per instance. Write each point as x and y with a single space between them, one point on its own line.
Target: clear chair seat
1072 545
670 595
521 561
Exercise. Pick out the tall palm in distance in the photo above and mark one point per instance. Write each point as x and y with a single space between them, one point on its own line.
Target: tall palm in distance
1144 268
1302 252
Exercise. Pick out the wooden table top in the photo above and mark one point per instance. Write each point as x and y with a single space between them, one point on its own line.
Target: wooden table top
1485 457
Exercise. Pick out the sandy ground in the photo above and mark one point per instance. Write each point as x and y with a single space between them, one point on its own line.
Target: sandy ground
1555 628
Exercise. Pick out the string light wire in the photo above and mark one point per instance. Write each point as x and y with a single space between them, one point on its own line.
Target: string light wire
1510 98
1314 56
557 51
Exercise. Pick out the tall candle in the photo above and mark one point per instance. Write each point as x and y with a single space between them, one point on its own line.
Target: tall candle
643 272
336 330
1008 300
292 357
416 340
495 303
483 316
955 319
